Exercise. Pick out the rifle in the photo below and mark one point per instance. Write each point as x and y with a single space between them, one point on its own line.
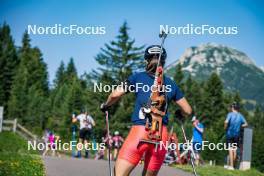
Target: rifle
157 105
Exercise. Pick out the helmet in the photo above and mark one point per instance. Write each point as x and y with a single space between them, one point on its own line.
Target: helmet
155 50
116 133
235 105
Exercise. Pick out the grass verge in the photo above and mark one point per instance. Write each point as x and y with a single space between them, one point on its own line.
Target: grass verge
219 171
16 160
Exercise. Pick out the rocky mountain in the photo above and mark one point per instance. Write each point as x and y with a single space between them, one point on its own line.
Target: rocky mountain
237 71
262 68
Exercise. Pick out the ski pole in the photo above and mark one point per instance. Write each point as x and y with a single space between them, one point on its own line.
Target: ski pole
108 136
190 153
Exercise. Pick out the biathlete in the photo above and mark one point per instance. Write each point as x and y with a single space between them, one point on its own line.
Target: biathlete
86 125
132 150
198 130
233 124
117 140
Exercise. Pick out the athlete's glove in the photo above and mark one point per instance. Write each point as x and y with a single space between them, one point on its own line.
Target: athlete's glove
104 107
178 114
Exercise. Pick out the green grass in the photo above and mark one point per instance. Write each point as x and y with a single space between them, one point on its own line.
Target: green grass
219 171
16 160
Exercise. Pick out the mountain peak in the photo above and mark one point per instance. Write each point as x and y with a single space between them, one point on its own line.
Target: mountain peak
212 52
262 68
237 71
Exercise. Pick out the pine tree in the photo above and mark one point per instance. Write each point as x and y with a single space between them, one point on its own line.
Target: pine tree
214 107
213 112
60 75
258 150
197 99
18 100
30 88
258 118
187 89
118 60
179 76
67 96
71 71
121 57
59 108
257 145
8 64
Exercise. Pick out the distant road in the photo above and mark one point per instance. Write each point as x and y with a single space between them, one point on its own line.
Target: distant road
87 167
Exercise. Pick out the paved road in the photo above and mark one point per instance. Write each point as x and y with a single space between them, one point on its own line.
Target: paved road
86 167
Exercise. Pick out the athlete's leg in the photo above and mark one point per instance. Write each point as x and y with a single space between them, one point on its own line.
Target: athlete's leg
197 159
85 146
123 167
81 137
79 146
147 172
114 156
236 141
115 153
196 148
231 157
155 156
152 163
131 152
235 155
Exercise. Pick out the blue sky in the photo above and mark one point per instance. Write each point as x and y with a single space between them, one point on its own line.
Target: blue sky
143 17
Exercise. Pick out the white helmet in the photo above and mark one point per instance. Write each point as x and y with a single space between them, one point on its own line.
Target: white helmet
194 118
116 133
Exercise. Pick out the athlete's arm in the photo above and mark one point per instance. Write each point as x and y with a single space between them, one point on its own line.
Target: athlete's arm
115 96
93 122
245 124
227 121
184 105
74 119
225 124
199 129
